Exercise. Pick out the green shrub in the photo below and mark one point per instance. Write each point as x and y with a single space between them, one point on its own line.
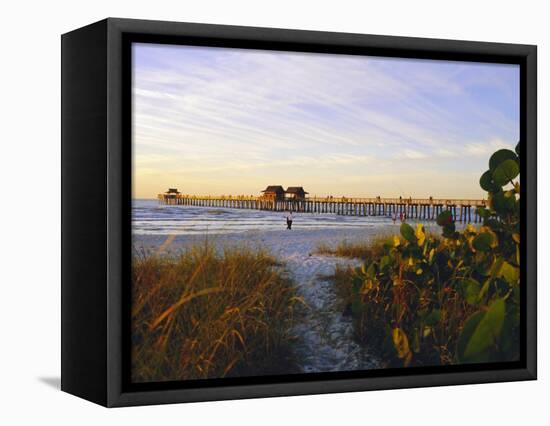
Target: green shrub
451 299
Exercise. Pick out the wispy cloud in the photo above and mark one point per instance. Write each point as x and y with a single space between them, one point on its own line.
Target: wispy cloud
232 120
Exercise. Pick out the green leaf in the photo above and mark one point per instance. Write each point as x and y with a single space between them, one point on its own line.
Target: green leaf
483 212
467 331
484 262
486 182
431 256
510 273
505 172
384 262
497 266
371 270
356 284
503 202
388 244
407 232
488 329
500 156
445 218
420 234
471 290
517 148
483 241
484 289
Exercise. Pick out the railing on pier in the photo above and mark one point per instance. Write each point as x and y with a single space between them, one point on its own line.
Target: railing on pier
416 208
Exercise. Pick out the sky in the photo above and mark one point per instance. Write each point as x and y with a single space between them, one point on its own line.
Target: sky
220 121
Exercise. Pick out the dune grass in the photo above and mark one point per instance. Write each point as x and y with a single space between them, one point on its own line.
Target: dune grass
210 314
355 250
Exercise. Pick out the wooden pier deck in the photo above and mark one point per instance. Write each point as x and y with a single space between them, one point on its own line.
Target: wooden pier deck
413 208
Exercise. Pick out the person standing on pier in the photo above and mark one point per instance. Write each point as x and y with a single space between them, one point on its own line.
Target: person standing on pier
289 219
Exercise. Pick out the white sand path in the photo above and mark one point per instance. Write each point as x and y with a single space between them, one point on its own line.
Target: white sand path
326 337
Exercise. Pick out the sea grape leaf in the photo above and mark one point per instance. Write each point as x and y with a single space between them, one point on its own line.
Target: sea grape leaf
420 235
384 262
470 326
484 289
356 285
408 232
503 202
500 156
497 266
486 182
396 241
482 212
431 256
487 330
471 290
505 172
510 273
371 270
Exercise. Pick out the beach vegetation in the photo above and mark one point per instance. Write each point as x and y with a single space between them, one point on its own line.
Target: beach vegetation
207 313
421 299
354 249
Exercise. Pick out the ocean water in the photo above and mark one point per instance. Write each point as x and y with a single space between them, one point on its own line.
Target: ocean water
149 217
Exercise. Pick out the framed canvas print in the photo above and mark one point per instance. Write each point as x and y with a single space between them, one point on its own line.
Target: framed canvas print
253 212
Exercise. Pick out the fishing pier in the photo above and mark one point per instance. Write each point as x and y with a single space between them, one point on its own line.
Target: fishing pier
274 198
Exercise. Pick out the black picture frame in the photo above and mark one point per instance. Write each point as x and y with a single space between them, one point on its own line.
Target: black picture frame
96 189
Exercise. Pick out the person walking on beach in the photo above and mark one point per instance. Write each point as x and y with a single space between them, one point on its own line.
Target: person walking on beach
289 220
